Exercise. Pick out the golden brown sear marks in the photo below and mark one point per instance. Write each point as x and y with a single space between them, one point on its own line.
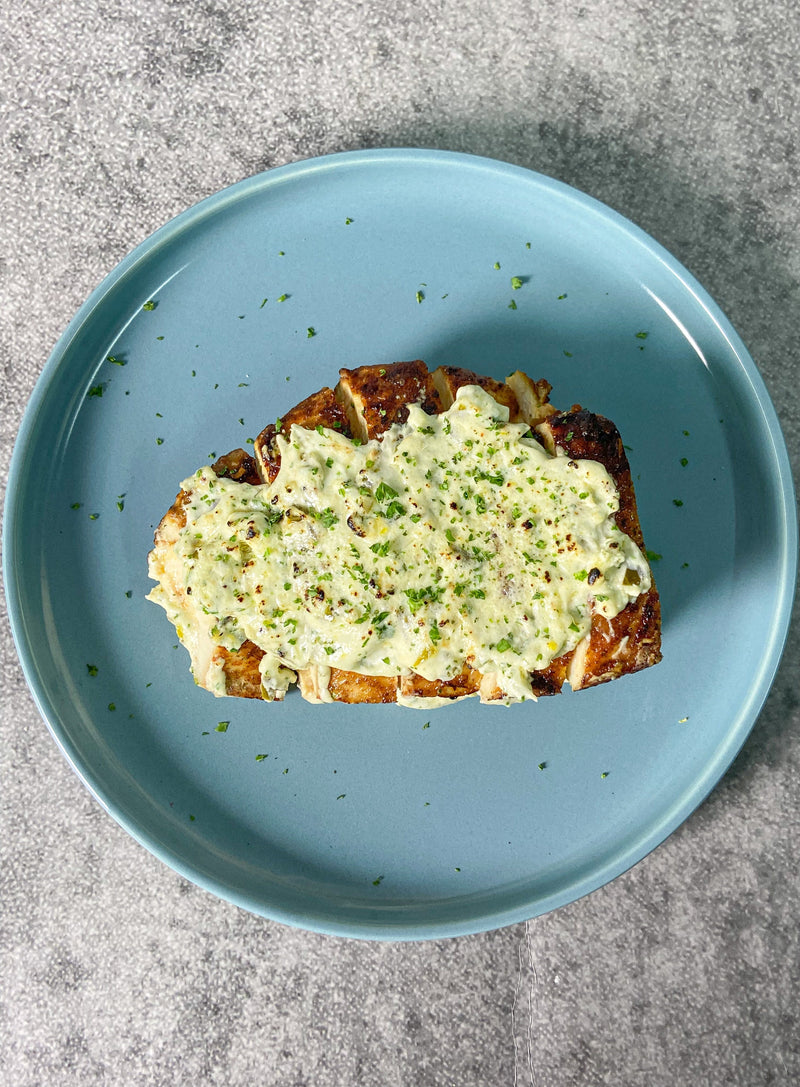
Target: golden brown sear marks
241 668
375 397
319 409
353 687
550 680
449 379
585 436
625 644
466 683
631 640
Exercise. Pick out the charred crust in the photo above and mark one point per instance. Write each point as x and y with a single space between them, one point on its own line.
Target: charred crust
238 466
380 395
584 436
320 409
550 680
465 683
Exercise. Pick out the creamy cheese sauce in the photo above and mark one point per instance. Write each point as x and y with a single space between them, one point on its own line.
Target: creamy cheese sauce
455 538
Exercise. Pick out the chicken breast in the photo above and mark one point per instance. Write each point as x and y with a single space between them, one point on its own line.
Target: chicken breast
367 404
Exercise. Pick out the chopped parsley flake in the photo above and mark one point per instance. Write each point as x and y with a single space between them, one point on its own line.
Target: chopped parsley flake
516 283
328 517
95 390
310 332
151 305
420 296
222 726
91 669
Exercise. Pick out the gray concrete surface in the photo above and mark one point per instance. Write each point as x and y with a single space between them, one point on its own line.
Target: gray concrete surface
116 116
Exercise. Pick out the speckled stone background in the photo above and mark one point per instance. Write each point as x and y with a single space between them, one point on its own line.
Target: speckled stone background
115 116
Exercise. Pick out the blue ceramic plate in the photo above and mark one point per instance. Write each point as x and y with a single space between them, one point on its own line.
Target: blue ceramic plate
362 820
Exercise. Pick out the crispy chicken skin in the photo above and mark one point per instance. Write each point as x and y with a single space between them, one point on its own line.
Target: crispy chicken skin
364 404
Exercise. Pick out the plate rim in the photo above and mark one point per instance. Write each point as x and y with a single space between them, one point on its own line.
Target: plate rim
737 732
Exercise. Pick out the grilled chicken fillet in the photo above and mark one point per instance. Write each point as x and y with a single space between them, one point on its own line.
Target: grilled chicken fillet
367 404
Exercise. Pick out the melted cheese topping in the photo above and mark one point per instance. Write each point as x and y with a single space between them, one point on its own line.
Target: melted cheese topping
455 538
